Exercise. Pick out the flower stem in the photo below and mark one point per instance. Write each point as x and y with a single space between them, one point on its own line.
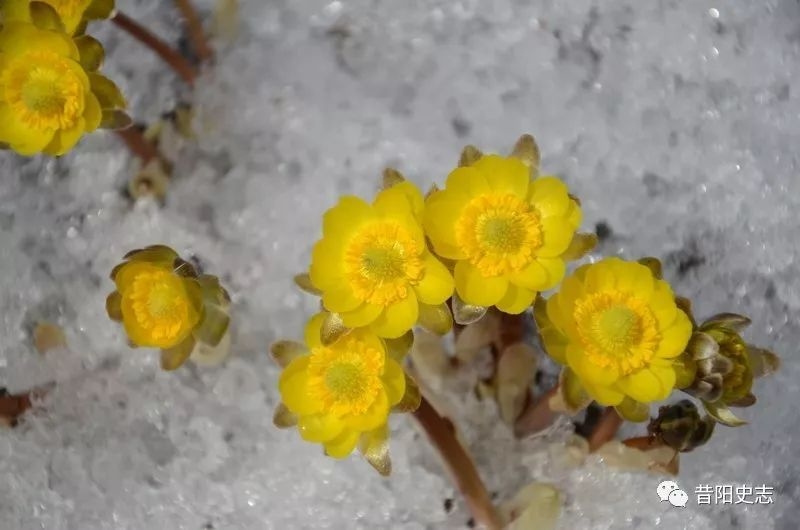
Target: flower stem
606 429
195 27
137 144
175 60
459 464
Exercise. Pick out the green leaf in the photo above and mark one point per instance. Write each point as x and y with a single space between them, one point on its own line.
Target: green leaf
214 325
283 418
99 9
173 358
107 92
114 306
436 318
91 51
723 414
411 399
469 156
654 265
632 410
333 329
581 245
391 177
527 151
398 348
115 120
702 346
466 314
285 351
44 16
374 445
730 321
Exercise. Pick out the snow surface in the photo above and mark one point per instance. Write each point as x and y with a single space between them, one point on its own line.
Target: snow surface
675 122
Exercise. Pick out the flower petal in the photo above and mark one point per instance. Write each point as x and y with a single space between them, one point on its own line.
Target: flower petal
340 299
319 427
173 358
466 182
549 195
442 212
346 217
342 445
607 396
505 175
475 289
373 418
22 139
675 338
643 386
397 318
557 234
313 331
394 382
293 386
363 315
587 371
516 300
437 284
327 259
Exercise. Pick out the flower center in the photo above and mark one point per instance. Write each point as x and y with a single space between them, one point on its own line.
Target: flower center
381 261
68 8
43 91
345 378
616 329
500 233
160 304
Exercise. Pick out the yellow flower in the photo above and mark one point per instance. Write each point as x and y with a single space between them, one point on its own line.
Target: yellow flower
507 231
72 13
48 99
372 264
163 303
618 330
341 394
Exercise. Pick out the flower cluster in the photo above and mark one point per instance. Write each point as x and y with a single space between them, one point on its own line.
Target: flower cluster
495 235
164 303
51 92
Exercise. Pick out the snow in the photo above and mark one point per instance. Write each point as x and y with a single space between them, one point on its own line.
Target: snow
676 123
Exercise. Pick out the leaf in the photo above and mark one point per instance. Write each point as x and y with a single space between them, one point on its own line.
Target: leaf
709 388
429 358
107 92
433 189
48 337
115 120
685 371
582 244
45 17
214 325
654 265
99 10
391 177
226 18
91 52
570 396
152 254
537 506
436 319
285 351
763 362
685 305
730 321
515 373
633 410
173 358
333 329
723 414
466 314
374 445
283 418
527 151
411 398
702 346
747 401
715 365
469 156
303 281
114 305
398 348
208 355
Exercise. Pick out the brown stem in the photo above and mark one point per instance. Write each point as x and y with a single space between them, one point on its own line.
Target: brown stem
643 443
170 56
460 466
536 416
13 406
195 27
137 143
605 430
